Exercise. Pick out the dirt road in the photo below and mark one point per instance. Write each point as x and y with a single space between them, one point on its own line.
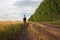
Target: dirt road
39 31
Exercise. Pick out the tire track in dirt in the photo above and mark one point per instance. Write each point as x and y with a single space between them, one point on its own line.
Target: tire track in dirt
39 34
36 31
23 35
51 29
43 33
53 32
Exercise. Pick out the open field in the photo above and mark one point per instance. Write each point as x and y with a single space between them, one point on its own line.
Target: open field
28 31
9 30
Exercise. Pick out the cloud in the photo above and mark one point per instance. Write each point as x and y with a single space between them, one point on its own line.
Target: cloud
15 9
26 3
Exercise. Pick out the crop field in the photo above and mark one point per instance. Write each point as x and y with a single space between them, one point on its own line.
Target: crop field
9 30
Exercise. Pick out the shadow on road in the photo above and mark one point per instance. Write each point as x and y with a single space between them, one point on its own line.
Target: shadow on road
23 34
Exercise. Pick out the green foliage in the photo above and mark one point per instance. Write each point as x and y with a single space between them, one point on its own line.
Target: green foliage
48 10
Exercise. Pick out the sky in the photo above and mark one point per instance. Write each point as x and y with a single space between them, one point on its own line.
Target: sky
14 10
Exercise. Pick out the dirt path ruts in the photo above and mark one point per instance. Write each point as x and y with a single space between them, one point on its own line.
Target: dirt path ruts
23 35
50 30
47 33
37 31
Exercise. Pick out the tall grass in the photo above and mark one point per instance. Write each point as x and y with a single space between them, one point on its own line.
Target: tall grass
9 30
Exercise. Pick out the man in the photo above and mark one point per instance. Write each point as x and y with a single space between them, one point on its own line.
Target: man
24 19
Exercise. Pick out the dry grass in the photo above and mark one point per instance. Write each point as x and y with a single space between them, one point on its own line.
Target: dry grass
34 31
9 29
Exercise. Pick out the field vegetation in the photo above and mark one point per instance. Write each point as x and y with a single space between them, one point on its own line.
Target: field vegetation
9 30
